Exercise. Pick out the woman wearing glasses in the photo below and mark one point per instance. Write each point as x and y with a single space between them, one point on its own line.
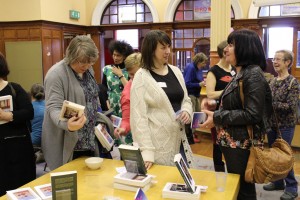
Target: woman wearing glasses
71 79
285 92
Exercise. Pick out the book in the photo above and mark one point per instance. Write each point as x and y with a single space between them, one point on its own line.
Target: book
140 195
126 187
180 191
104 137
6 105
64 185
44 191
197 119
133 159
22 194
185 173
132 179
116 121
70 109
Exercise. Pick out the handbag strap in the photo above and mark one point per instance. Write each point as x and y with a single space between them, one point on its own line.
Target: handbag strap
249 127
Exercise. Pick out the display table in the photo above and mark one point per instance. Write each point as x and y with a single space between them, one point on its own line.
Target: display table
96 184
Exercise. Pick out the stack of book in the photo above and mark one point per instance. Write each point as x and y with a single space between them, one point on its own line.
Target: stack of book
136 175
189 190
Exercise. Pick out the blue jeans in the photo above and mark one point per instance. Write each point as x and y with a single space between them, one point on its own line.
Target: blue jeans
291 184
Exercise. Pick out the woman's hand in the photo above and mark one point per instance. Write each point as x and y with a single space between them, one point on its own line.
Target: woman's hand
208 104
148 164
76 123
119 132
117 71
209 123
184 117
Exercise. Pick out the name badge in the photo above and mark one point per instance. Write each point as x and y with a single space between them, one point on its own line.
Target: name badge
232 73
162 84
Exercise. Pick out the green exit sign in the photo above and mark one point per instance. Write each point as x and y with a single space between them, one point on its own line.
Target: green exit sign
74 14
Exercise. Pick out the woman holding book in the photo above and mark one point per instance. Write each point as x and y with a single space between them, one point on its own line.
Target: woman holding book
17 165
71 79
246 53
159 104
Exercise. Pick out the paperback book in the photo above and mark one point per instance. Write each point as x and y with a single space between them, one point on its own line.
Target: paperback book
197 119
116 121
22 194
104 137
6 105
64 185
70 109
136 172
140 195
189 190
44 191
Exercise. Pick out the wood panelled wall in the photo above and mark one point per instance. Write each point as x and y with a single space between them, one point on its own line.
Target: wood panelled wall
52 34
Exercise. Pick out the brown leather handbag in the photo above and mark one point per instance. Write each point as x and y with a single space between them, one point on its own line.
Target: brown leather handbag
268 165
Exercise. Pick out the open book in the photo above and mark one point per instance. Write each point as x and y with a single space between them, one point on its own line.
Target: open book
70 109
197 119
6 105
182 191
104 137
136 172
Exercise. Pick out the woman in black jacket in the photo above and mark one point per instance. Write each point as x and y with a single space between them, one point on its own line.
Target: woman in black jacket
245 52
17 165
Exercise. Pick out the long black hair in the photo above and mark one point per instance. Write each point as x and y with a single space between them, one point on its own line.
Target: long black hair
248 48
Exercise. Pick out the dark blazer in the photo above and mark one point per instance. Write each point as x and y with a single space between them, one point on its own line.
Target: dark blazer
257 104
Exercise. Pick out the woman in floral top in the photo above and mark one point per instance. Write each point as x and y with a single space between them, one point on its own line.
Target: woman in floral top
115 77
285 91
245 52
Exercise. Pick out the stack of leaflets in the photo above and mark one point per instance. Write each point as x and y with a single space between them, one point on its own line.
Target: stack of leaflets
136 175
22 194
44 191
104 137
6 105
182 191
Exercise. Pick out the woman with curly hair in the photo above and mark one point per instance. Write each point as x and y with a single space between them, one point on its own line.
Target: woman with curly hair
115 76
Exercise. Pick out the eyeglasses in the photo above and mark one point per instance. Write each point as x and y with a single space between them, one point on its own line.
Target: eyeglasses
277 59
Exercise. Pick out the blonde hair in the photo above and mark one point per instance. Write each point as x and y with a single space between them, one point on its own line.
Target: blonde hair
199 58
132 60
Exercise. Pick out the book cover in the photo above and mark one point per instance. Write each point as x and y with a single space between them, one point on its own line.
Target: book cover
133 159
132 179
6 105
70 109
131 188
104 137
116 121
185 173
22 194
64 185
44 191
180 191
140 195
197 119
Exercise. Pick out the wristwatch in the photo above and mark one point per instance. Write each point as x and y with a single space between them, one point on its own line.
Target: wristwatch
121 76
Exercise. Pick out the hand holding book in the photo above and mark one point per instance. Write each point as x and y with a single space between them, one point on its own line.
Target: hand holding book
76 123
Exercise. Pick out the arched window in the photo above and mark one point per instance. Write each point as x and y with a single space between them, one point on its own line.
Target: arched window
188 42
279 10
194 10
126 11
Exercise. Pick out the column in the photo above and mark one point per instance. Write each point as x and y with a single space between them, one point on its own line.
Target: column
220 25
